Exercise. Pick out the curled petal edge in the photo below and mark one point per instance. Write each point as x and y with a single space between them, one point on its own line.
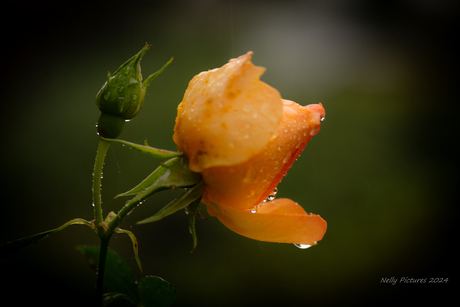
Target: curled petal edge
281 220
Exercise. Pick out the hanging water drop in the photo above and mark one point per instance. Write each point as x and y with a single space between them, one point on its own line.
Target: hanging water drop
253 210
270 197
302 246
322 118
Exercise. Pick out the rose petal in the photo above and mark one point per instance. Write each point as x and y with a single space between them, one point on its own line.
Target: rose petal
247 184
280 220
227 115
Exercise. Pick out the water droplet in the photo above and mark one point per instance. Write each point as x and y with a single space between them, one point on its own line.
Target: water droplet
253 210
247 108
275 191
270 197
302 246
322 118
251 175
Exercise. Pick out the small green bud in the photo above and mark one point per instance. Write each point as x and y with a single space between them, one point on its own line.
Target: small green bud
123 93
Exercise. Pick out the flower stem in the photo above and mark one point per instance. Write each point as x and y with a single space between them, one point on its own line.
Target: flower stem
101 226
97 178
101 270
127 208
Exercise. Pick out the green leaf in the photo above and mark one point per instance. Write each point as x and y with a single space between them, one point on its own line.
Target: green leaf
172 174
118 276
114 299
11 248
155 291
181 202
135 245
145 149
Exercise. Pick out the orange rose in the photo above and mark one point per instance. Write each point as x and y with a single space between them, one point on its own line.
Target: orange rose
243 137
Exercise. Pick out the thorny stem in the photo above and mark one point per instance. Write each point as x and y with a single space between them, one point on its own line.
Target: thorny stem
97 177
102 229
116 221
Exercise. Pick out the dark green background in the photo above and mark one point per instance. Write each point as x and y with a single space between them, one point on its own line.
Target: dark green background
380 172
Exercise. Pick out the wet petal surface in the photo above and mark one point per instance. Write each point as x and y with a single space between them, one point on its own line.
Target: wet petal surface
227 115
280 220
248 184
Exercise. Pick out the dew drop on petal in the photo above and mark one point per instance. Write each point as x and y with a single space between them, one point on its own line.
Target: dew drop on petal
302 246
247 108
253 210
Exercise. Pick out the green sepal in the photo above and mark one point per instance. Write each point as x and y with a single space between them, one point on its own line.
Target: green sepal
192 210
11 248
172 174
156 292
181 202
147 81
145 149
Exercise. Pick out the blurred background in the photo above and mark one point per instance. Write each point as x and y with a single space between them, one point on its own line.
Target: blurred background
380 172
